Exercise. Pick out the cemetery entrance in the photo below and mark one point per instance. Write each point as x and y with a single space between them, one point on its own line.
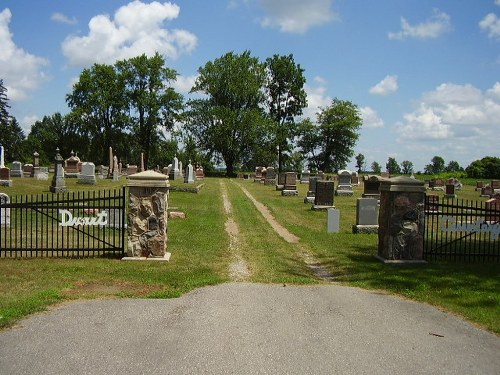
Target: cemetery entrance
63 225
462 231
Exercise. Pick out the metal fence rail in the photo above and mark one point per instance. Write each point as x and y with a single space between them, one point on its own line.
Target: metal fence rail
63 225
461 231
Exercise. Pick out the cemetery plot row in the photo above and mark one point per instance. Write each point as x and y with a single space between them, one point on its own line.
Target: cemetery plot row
81 224
461 230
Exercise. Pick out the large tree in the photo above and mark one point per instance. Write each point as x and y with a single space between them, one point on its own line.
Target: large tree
360 162
487 167
330 143
154 104
285 98
228 121
392 166
436 166
406 167
99 110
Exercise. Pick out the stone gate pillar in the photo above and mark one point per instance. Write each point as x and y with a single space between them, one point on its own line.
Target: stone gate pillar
147 216
401 220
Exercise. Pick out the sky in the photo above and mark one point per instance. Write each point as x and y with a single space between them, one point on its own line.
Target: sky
425 74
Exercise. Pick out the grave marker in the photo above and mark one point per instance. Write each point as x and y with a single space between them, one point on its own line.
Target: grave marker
367 210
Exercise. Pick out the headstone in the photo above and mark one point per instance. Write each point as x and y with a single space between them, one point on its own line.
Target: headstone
258 174
333 220
493 209
323 198
304 177
4 171
270 176
87 175
58 183
189 177
366 216
290 187
16 169
344 187
487 191
131 169
27 170
36 165
401 220
479 185
311 192
147 216
110 162
4 211
495 185
371 187
43 174
281 181
142 162
116 169
71 166
175 173
450 191
200 174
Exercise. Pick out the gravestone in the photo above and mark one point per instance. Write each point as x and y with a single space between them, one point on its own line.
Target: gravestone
27 170
323 198
175 173
4 171
333 220
258 174
290 187
487 191
87 175
16 169
495 185
110 162
344 187
36 164
371 185
450 191
43 174
281 181
355 179
366 216
189 177
270 176
304 177
401 220
479 185
493 209
71 166
58 183
311 192
147 216
131 169
200 174
4 211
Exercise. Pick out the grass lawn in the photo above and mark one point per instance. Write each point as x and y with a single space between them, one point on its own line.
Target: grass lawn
200 256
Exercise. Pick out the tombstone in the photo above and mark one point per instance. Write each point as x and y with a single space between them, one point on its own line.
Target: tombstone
147 216
36 164
304 177
495 185
87 175
258 174
333 220
371 185
110 162
290 187
175 173
480 185
270 178
493 209
281 181
401 220
450 191
355 180
439 184
367 210
131 169
344 187
189 177
323 197
311 192
116 170
4 211
4 171
200 173
71 166
142 162
16 169
43 174
58 183
487 191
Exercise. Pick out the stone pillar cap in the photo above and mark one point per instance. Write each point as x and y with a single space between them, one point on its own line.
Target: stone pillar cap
148 179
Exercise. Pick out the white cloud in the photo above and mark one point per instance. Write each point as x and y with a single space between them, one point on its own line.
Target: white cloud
21 71
316 98
183 84
461 119
296 16
491 24
371 119
136 28
59 17
385 87
436 25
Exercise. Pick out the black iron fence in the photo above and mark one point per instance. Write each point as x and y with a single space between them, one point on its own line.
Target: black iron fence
461 230
63 225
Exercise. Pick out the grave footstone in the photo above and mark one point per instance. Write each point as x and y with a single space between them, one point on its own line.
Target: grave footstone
366 216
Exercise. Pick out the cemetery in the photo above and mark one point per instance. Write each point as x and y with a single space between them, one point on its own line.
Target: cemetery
333 227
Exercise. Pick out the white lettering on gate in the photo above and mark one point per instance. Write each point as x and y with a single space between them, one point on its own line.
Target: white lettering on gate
449 224
67 219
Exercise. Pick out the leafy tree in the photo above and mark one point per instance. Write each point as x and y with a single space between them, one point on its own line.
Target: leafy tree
99 110
376 167
436 166
155 105
330 143
4 105
230 121
406 167
487 167
12 139
392 166
360 162
286 98
453 167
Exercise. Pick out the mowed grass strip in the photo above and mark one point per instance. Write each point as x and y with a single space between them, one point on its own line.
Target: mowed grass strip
199 257
469 290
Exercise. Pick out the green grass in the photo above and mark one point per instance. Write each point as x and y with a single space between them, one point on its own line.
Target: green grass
200 256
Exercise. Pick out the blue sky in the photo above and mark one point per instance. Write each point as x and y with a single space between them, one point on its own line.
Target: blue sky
424 74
